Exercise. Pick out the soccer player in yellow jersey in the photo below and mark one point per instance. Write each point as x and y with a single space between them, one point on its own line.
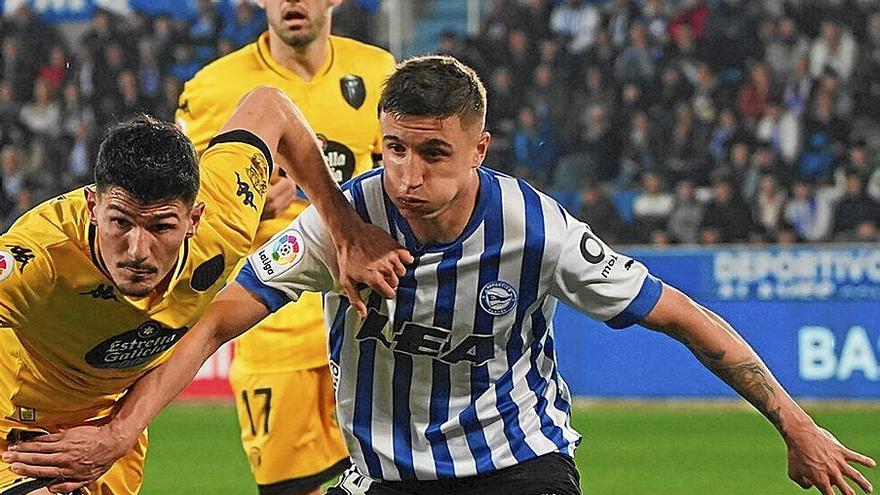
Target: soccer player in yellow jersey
280 374
98 285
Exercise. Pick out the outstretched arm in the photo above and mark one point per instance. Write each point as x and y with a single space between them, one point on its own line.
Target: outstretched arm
815 457
81 455
366 253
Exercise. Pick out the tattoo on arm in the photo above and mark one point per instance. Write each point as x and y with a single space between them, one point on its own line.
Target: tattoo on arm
749 379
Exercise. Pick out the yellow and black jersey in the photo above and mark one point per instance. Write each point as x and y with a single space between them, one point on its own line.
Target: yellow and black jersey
340 104
70 342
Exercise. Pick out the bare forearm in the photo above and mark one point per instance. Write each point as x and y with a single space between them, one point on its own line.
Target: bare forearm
300 155
724 352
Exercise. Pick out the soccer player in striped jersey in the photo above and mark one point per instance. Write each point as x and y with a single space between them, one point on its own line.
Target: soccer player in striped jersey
452 387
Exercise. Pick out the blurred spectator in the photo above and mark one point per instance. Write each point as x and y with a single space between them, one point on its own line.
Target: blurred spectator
9 110
784 47
768 204
42 116
575 22
248 24
727 218
653 205
855 207
535 147
549 98
14 69
600 214
100 34
78 168
167 105
811 211
149 74
799 86
205 31
687 215
519 60
74 111
13 175
754 94
636 64
54 73
185 65
835 49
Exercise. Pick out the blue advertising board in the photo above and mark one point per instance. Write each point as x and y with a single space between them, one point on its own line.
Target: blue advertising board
813 314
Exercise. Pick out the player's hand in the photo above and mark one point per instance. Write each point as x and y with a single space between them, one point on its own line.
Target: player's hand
368 255
77 456
281 194
817 459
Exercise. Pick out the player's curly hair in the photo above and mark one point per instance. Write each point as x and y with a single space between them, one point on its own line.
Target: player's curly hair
150 159
434 86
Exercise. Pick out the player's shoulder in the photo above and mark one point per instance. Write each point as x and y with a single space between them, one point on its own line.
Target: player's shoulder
368 180
523 202
50 232
245 60
360 57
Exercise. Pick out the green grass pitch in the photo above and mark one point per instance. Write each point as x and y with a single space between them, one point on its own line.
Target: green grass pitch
628 448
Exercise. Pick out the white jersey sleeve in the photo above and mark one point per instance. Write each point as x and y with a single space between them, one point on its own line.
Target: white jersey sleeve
603 284
299 258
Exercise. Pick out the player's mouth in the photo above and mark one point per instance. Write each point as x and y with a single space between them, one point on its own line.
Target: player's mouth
410 202
294 18
139 272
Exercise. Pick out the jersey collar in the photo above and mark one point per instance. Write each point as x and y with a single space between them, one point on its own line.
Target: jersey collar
265 56
413 245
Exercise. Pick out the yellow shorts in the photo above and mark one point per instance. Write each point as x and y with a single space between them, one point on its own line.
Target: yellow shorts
124 478
288 428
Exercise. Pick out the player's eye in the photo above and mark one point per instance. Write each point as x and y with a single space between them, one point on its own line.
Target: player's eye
434 154
163 227
396 148
121 223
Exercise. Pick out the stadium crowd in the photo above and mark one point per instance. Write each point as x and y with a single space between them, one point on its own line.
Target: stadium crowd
662 122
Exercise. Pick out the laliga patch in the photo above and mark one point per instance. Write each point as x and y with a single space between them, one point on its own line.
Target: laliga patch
280 254
7 264
497 298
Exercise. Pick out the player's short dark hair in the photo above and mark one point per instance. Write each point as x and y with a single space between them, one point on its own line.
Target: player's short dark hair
434 86
150 159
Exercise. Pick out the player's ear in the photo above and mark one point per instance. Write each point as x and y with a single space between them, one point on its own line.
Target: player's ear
482 147
91 203
195 216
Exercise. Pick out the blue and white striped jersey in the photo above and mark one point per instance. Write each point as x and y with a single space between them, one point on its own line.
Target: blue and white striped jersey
457 375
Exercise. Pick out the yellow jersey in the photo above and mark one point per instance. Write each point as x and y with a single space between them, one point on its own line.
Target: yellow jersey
340 103
70 342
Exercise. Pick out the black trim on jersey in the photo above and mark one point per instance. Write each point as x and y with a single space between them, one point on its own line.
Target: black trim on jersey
182 263
246 137
98 262
298 486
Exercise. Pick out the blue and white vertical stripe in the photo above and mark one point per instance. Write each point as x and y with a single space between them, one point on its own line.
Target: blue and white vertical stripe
417 396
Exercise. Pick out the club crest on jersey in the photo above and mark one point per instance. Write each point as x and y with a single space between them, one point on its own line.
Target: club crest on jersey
353 90
7 264
279 255
497 298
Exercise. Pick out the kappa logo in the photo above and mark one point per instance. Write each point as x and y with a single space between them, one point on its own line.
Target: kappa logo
244 189
7 264
21 254
497 298
102 291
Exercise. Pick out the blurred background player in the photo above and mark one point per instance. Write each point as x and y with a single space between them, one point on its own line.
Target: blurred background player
280 369
97 285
